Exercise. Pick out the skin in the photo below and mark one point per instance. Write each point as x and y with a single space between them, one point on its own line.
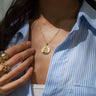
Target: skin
57 10
55 14
16 54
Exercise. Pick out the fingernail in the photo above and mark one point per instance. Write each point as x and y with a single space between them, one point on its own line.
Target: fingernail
32 49
28 43
31 68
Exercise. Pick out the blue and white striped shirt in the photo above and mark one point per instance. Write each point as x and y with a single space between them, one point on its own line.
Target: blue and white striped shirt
72 70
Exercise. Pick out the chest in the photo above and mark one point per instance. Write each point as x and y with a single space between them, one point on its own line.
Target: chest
42 62
73 66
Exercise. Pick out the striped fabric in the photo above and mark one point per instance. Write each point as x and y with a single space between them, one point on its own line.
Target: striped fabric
72 70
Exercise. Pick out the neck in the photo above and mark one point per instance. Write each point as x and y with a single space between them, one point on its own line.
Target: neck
59 12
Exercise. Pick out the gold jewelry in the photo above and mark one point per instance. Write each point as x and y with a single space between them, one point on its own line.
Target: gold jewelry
5 67
3 56
46 49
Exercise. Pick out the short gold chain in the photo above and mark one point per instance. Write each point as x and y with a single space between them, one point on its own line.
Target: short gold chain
51 39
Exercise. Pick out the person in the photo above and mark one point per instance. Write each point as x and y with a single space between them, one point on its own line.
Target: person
48 48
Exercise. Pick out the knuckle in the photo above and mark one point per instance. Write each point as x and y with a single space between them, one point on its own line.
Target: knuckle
3 90
27 52
13 49
18 58
29 59
30 49
22 81
23 44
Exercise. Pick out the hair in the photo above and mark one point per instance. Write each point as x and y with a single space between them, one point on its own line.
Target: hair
15 18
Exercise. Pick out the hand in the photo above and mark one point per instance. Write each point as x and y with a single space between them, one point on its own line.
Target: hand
16 54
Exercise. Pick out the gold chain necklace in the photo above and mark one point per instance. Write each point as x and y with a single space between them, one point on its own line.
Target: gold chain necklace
46 49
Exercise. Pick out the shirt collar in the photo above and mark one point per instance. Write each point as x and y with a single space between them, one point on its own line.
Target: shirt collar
24 31
89 13
86 10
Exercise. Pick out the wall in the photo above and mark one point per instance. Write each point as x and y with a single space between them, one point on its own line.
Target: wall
4 4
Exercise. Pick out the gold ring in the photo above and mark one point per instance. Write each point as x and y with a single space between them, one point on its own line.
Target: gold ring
5 67
3 56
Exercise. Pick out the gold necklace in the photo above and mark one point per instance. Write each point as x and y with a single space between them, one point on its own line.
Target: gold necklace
46 49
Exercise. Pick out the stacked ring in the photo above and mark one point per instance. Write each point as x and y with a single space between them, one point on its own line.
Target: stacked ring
4 57
5 67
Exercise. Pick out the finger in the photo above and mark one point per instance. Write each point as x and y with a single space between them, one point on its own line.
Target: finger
18 48
13 85
16 71
1 70
20 57
17 58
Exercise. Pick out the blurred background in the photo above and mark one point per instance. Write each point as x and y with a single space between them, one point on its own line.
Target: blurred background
4 4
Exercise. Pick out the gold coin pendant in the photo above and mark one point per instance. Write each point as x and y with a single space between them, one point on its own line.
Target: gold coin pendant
46 50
